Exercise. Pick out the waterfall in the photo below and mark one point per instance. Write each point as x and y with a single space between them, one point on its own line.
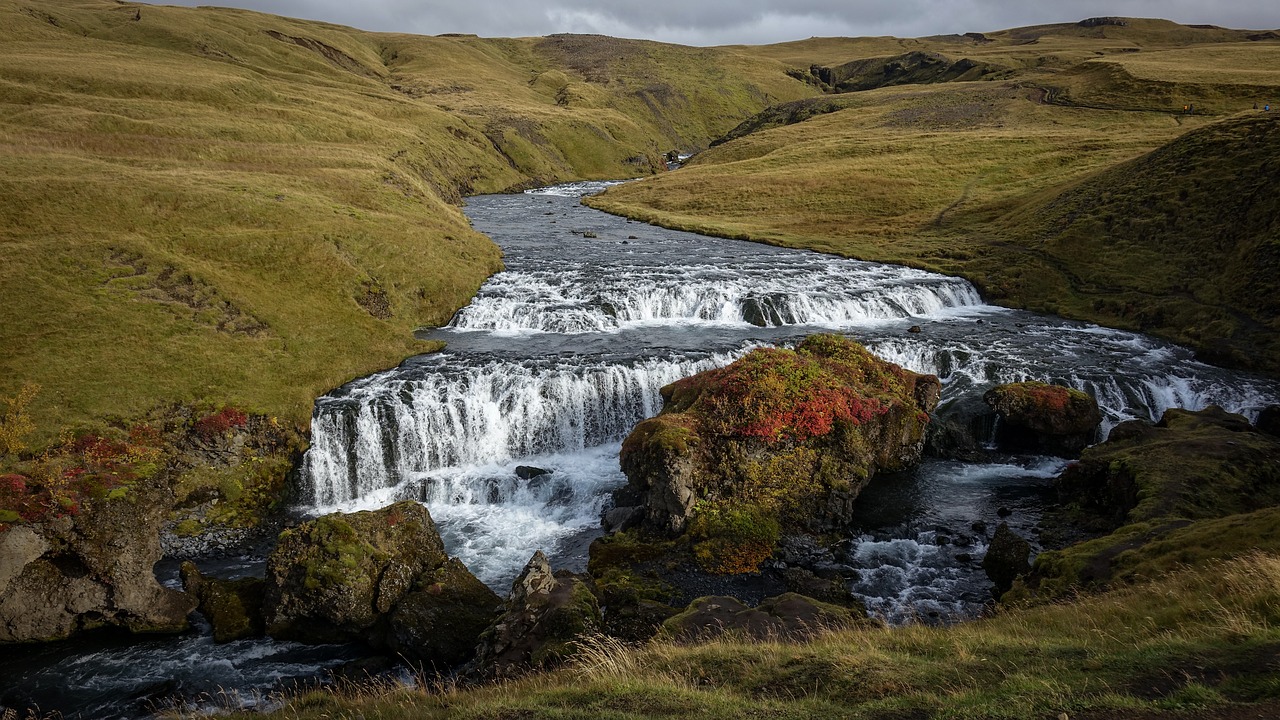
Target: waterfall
452 413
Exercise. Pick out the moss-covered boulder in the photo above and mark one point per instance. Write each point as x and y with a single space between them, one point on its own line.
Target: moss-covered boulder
541 622
787 616
1008 557
441 621
1197 486
232 607
1038 417
90 565
778 440
334 577
1189 465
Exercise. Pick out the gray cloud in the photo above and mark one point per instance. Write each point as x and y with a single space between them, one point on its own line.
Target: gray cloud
717 22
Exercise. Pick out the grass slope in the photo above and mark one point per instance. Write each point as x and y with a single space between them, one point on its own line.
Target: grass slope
1010 181
224 205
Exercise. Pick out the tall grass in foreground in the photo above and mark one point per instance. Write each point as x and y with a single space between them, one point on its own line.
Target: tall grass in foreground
1198 638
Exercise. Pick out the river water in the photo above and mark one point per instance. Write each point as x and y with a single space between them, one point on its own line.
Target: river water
560 355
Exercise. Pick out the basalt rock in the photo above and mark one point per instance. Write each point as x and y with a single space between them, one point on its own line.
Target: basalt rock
1008 557
778 440
1043 418
442 620
1193 488
381 577
89 570
544 616
232 607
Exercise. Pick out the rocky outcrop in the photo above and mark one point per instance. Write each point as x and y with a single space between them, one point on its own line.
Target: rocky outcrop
232 607
785 617
90 569
778 439
545 614
1192 488
1043 418
1189 465
1008 557
378 576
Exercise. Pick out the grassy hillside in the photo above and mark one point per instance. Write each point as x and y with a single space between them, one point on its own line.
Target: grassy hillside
224 205
1001 180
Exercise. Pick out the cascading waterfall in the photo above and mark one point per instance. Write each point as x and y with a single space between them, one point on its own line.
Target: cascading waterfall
447 413
560 355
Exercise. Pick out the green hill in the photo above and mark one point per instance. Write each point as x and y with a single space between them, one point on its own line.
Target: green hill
231 206
1070 179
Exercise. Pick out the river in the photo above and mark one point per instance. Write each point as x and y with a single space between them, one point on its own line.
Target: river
560 355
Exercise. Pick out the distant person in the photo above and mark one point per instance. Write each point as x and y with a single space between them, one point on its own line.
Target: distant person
1267 108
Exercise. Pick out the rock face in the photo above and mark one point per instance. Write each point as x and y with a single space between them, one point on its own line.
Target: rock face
778 439
543 617
381 577
787 616
89 570
1037 417
1008 556
232 607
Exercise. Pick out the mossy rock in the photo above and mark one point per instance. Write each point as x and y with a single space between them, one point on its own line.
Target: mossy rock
232 607
542 622
334 577
1038 417
791 436
440 622
1195 487
785 617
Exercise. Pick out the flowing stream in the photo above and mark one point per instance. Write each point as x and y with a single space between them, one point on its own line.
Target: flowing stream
560 355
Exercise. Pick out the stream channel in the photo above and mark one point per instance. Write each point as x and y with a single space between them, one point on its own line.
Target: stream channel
560 355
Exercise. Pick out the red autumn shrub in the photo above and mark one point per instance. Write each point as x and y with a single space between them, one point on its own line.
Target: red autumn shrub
219 423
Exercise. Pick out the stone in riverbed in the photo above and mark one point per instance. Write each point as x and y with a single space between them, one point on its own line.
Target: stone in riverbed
1038 417
542 619
1008 557
232 607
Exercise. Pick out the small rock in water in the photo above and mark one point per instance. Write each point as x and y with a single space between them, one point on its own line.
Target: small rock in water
1004 512
964 557
979 527
632 237
528 472
914 329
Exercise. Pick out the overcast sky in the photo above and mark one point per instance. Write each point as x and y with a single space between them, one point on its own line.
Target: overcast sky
722 22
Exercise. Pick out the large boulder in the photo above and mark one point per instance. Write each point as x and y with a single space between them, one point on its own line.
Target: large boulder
442 620
543 618
90 569
1043 418
377 576
787 616
779 439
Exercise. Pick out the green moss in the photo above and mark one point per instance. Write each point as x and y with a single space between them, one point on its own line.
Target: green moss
188 528
733 537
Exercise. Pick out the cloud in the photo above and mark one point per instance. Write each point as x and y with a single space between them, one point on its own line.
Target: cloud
717 22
